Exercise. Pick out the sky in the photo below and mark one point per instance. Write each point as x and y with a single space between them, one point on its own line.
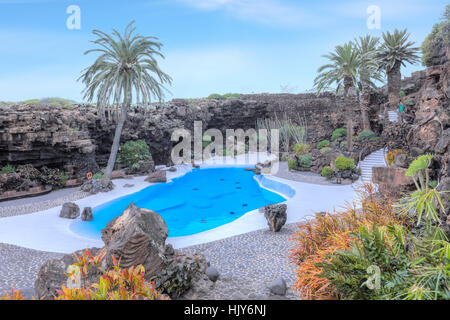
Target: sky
210 46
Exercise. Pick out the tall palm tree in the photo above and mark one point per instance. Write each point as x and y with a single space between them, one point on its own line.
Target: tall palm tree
394 52
125 71
342 71
368 72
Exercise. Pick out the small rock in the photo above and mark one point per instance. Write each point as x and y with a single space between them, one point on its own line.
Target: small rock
278 287
70 211
127 185
86 215
172 169
212 273
169 250
276 216
157 176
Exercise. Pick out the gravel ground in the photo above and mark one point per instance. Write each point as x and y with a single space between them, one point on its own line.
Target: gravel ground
19 267
305 176
247 264
35 204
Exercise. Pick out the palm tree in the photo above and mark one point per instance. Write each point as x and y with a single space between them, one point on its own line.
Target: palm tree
342 71
368 71
126 70
394 52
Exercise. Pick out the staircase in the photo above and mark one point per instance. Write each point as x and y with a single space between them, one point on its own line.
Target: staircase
392 116
375 159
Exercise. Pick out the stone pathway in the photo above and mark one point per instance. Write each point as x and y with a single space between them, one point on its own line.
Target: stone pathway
304 176
19 267
35 204
247 264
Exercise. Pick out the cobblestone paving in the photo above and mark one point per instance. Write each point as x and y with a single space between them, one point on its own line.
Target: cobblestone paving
27 207
19 267
247 264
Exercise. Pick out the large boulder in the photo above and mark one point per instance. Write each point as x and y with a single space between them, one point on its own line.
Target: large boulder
276 216
136 237
95 186
391 180
52 274
70 210
157 176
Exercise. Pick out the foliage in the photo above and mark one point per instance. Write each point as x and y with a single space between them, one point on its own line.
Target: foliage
339 132
439 34
63 177
114 284
52 176
284 157
97 176
390 156
344 163
323 144
317 238
132 152
371 248
292 164
327 172
305 160
396 50
375 139
325 150
425 201
302 148
344 63
217 96
179 274
27 171
8 169
13 295
365 135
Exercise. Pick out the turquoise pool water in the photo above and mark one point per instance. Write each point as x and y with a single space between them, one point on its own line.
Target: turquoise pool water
200 200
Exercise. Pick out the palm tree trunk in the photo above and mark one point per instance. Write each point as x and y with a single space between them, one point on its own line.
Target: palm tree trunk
348 83
116 143
365 102
394 84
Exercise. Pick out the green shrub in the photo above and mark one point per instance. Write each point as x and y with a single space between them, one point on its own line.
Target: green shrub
301 148
325 150
215 96
375 139
230 95
322 144
284 157
340 132
402 94
97 176
305 160
343 145
292 164
344 163
365 135
439 35
132 152
327 172
8 169
63 177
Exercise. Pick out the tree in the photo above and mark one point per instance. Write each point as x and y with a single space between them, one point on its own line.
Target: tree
368 71
125 71
342 71
394 52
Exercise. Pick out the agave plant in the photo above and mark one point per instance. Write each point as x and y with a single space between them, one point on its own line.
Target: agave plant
393 53
342 71
423 200
125 71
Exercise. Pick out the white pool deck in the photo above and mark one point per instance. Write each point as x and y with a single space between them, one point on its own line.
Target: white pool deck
46 231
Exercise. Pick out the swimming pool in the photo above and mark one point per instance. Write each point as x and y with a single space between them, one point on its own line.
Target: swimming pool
200 200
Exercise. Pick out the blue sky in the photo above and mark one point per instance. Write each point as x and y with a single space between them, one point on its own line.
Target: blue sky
210 46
